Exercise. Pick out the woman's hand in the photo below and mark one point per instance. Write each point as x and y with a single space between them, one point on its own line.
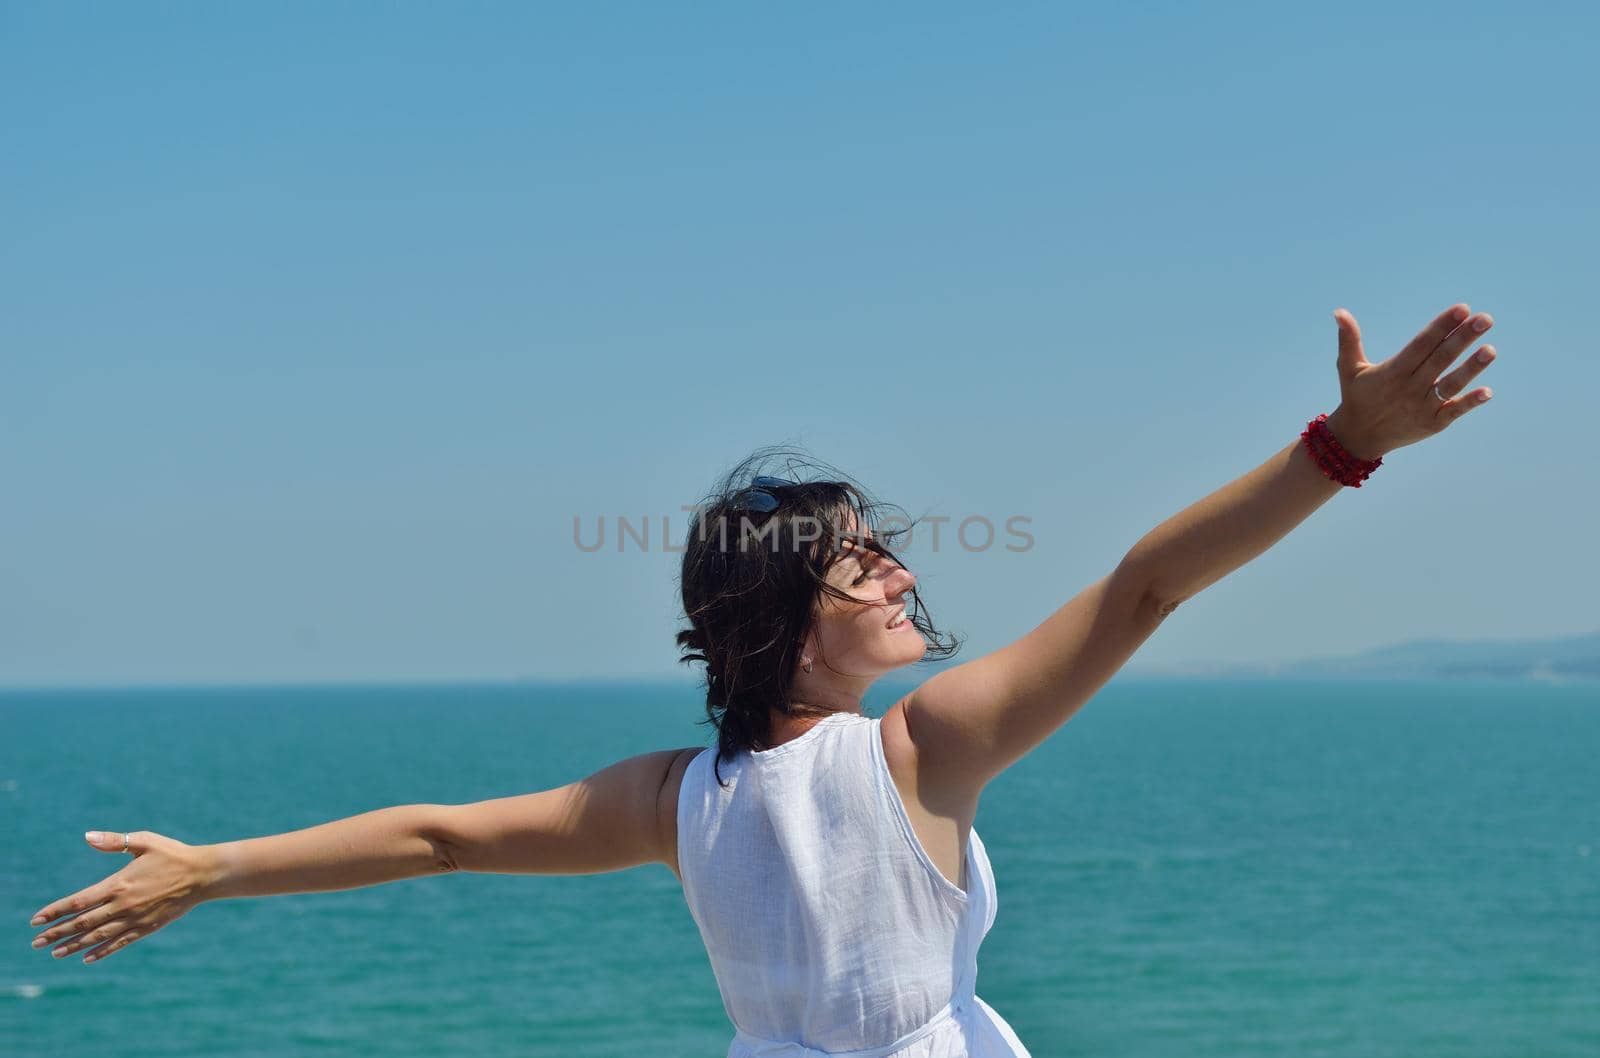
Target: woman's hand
1390 405
163 881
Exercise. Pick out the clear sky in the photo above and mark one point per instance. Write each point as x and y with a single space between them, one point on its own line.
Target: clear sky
320 324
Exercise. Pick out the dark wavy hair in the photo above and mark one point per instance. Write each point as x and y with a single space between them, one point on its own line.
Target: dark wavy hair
752 578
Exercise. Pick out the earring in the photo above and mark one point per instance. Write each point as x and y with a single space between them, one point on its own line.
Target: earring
805 663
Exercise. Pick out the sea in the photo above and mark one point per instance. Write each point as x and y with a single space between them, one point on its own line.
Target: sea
1188 868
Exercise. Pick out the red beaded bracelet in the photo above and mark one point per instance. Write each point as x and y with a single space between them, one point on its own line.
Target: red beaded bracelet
1331 456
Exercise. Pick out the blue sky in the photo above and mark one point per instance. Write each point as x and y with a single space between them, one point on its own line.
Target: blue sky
321 323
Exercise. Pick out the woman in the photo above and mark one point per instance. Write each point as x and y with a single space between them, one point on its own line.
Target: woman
828 858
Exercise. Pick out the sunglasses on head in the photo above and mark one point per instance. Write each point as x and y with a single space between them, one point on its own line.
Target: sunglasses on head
757 497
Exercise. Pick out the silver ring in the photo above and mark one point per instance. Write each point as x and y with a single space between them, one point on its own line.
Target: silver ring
124 841
1436 395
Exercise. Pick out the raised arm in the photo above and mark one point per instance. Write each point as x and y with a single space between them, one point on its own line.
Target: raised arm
971 722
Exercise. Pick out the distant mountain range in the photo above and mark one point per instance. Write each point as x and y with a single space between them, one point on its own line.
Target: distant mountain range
1553 660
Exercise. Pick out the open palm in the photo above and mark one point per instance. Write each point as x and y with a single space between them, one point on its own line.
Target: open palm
1393 404
162 883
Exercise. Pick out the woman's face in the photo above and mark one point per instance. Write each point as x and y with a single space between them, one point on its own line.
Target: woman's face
873 634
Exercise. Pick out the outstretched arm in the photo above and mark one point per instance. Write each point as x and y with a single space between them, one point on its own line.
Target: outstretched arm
971 722
167 878
1385 406
384 845
615 818
606 822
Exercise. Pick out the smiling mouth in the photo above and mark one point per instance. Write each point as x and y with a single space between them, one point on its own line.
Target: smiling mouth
897 620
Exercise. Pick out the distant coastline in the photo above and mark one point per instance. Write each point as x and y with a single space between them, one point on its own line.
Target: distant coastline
1559 660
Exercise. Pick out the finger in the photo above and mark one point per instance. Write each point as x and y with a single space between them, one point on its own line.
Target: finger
1350 354
106 931
76 903
116 945
73 926
1455 343
1457 380
122 941
1428 339
1453 409
135 842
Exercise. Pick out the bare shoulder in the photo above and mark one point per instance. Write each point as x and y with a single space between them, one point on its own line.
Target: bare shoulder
898 749
971 722
926 789
667 806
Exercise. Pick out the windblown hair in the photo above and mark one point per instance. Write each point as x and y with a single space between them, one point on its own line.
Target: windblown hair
752 579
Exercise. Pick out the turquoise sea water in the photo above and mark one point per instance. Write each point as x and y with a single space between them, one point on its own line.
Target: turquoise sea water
1195 869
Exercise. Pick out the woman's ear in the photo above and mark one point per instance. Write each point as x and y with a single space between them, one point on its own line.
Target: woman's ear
808 652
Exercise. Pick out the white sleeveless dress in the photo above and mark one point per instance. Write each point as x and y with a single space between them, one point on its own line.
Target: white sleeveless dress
831 932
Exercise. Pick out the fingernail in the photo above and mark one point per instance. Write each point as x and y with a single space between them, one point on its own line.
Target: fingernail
1484 356
39 942
1480 324
92 837
38 920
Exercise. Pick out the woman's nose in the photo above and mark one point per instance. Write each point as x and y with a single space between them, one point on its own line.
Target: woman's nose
900 580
